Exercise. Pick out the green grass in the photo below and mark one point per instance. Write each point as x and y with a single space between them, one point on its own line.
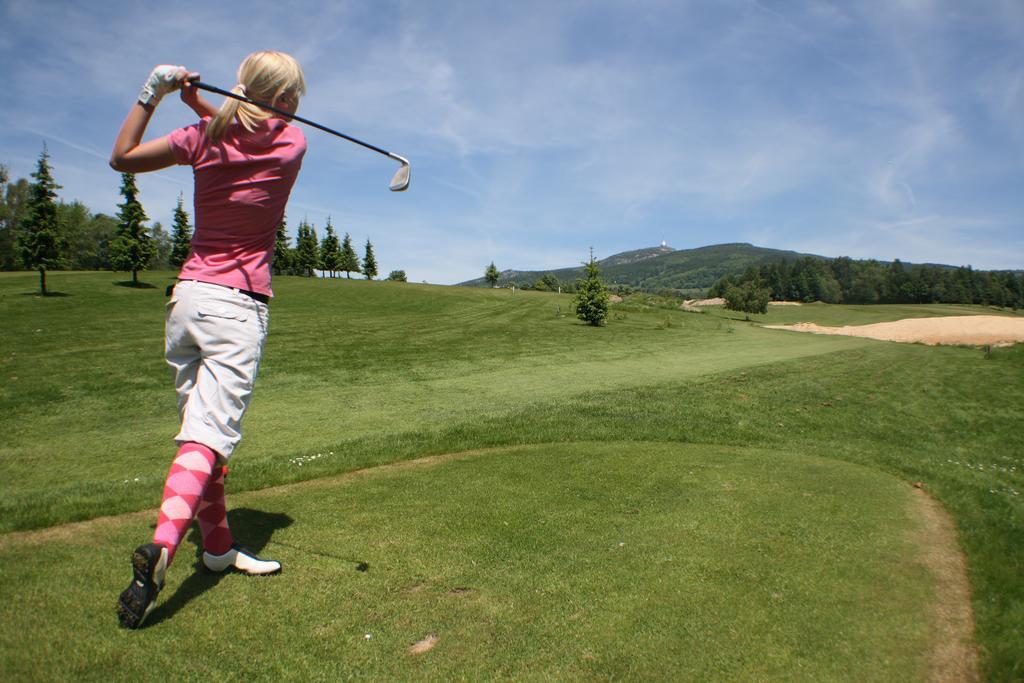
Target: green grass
609 560
358 374
348 365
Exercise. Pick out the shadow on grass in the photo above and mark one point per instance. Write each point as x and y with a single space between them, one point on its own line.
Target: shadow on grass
47 295
361 565
134 285
251 528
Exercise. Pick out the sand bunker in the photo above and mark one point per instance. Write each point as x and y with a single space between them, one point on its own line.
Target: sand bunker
717 301
695 304
977 330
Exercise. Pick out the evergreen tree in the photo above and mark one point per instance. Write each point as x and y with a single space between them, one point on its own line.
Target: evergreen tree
349 260
306 250
132 249
591 295
397 276
284 255
41 240
181 240
491 275
369 262
330 251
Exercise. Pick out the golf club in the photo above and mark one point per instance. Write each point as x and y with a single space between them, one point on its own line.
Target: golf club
399 182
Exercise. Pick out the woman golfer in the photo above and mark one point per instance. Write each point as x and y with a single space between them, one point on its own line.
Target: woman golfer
245 161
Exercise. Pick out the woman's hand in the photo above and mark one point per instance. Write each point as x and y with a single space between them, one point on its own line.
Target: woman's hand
190 96
163 79
130 154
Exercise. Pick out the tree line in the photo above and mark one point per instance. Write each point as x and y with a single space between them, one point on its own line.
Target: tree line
40 232
848 281
329 255
548 282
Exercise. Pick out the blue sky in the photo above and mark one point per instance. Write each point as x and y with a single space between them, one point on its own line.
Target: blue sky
539 129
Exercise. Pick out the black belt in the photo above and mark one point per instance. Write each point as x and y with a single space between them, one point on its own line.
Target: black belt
255 296
262 298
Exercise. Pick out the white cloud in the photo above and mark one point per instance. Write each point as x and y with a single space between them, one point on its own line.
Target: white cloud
537 129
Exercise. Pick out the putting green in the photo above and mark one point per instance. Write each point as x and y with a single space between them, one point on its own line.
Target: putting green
588 560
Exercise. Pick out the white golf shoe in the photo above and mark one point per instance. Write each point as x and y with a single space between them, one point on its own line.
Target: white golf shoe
240 559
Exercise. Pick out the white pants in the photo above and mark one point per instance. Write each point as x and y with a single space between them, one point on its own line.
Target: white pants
214 341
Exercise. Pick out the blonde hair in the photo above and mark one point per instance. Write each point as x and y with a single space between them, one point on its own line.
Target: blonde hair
264 77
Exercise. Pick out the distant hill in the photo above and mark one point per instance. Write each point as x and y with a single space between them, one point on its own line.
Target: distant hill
662 268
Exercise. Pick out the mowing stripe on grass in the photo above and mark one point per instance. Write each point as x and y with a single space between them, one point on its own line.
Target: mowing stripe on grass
85 408
88 433
98 525
573 560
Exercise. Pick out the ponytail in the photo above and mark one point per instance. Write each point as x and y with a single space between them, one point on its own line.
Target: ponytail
264 76
219 124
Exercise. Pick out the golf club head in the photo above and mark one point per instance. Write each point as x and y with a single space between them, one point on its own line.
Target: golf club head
400 181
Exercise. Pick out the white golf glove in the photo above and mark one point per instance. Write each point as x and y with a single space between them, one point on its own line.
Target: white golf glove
162 80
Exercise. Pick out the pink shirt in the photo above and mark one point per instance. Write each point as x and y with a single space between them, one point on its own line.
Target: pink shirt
242 186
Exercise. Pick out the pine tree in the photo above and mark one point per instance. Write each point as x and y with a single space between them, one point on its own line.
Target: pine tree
182 236
349 261
284 255
132 249
41 242
330 251
369 262
491 275
591 295
306 250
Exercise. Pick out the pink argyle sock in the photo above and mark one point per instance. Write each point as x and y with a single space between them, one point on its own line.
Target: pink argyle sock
187 479
213 515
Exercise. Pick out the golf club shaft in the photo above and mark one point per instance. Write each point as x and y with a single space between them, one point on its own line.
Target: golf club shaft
227 93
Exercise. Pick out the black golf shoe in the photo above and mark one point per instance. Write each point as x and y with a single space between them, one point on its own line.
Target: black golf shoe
149 564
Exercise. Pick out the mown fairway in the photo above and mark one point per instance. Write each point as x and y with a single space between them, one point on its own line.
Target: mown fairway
625 434
612 560
354 368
